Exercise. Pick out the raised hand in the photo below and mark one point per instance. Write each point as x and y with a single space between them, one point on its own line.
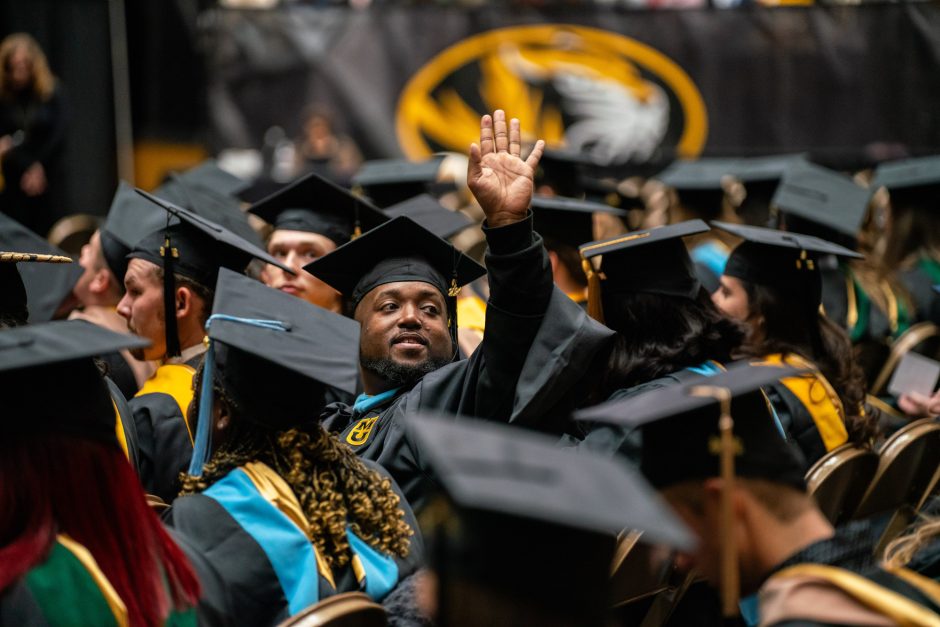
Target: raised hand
499 178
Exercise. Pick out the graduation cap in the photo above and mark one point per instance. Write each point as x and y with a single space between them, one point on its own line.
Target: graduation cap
49 381
209 176
920 172
35 276
216 206
911 183
819 196
563 171
711 426
520 511
700 184
194 247
390 181
399 250
568 220
761 176
316 205
782 260
766 169
429 213
263 339
652 261
129 220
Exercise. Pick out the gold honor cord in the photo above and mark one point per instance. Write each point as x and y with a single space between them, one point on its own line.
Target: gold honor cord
34 257
730 582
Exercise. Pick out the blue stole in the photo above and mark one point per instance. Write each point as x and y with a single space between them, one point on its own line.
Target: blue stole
712 255
364 402
291 553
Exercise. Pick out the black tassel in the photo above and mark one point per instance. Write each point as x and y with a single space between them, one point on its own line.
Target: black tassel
168 253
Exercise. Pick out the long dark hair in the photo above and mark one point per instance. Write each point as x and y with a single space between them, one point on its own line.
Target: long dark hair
792 324
658 335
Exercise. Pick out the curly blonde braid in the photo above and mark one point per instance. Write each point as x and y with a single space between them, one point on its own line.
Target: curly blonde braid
334 487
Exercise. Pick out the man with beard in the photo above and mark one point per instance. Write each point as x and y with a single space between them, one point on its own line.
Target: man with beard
169 292
403 281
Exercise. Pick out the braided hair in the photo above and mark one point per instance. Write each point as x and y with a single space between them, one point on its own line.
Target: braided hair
334 487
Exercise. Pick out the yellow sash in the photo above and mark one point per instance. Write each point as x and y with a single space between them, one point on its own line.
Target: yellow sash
817 395
888 603
175 380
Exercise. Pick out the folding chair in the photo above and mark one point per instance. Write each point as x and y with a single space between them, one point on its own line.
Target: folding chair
638 570
907 471
840 479
349 609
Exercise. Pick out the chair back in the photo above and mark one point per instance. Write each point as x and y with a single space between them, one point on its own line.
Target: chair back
839 480
349 609
638 570
72 232
907 469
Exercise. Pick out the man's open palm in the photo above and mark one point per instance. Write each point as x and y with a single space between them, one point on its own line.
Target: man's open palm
499 178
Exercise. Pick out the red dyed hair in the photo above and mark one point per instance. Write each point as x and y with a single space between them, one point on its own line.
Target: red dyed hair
53 483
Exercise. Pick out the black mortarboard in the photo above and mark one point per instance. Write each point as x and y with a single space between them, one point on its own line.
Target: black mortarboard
317 205
782 260
769 168
49 381
652 261
129 220
209 176
522 510
198 247
761 177
432 215
390 181
219 208
911 183
567 220
762 451
263 339
700 184
822 197
32 291
711 426
399 250
920 172
563 171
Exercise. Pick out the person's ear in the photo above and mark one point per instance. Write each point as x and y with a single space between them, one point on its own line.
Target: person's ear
553 258
185 302
223 418
100 282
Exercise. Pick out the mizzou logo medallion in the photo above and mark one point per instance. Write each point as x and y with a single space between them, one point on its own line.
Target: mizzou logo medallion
584 89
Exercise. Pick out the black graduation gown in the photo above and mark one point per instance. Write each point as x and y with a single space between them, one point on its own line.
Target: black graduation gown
921 284
243 585
127 421
530 369
852 548
164 444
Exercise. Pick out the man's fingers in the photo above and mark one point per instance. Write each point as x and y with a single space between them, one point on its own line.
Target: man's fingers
535 155
473 165
487 144
515 141
499 130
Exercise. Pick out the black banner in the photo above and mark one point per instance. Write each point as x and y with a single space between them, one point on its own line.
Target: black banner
848 83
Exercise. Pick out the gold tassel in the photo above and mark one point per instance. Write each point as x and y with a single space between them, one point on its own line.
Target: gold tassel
595 308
